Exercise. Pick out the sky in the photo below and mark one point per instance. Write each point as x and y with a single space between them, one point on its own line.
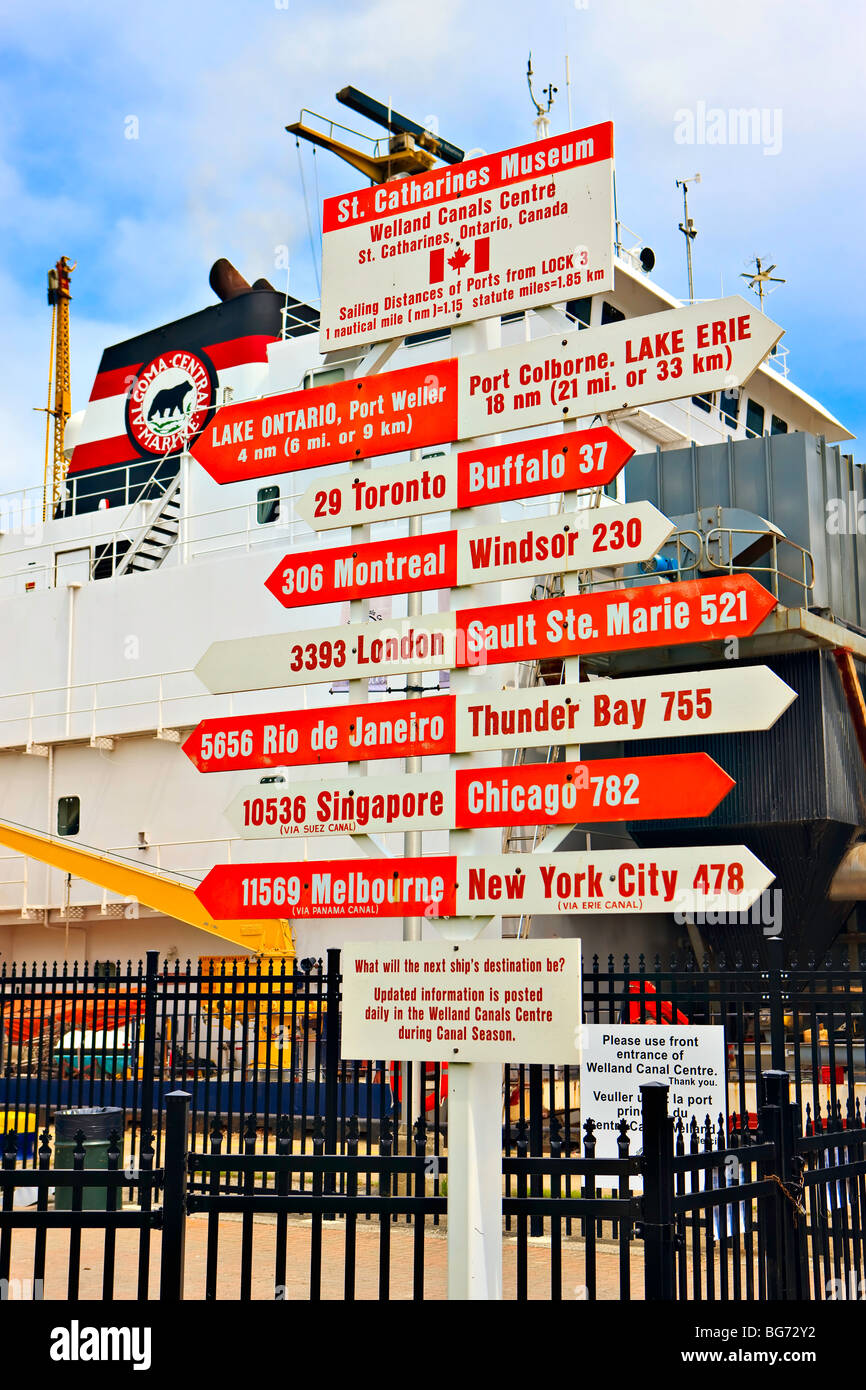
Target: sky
145 141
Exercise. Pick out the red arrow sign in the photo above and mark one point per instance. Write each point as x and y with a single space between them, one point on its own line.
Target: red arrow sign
609 789
382 414
332 888
724 700
723 877
655 615
347 733
614 789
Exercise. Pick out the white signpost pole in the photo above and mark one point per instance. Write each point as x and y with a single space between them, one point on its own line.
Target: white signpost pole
475 1088
413 839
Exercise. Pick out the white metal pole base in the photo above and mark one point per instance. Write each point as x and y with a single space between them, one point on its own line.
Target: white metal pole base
475 1181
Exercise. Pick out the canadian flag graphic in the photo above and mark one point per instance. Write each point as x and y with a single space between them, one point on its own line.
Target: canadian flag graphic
480 260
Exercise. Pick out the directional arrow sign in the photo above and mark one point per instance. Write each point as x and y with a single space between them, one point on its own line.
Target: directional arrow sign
463 243
721 701
658 357
502 473
655 615
610 789
720 878
382 414
508 550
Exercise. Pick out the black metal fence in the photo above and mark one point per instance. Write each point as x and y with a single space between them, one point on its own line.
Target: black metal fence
766 1201
776 1215
255 1040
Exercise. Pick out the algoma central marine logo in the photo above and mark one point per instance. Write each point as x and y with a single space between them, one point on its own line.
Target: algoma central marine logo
169 401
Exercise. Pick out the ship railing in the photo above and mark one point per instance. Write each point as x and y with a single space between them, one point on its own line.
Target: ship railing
685 564
34 719
378 146
248 534
16 902
719 543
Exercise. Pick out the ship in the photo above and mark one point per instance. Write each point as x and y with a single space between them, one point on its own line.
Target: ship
108 602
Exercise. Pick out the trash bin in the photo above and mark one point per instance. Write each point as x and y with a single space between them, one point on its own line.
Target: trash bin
96 1123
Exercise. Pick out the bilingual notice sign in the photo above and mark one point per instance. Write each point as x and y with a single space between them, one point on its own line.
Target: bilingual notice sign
487 1001
618 1058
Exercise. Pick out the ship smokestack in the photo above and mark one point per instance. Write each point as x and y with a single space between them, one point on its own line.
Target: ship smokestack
227 282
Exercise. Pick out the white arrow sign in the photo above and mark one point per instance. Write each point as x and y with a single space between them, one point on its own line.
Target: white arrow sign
344 806
640 361
703 878
721 701
717 878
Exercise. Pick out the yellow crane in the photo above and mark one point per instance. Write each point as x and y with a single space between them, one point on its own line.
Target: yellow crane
270 940
58 379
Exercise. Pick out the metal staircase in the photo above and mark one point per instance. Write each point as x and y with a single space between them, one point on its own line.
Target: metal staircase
157 537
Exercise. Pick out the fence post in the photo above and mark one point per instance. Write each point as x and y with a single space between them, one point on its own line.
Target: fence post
536 1139
174 1196
783 1235
332 1060
658 1192
148 1052
776 959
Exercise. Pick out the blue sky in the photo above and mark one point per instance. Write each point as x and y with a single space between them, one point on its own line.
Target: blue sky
213 173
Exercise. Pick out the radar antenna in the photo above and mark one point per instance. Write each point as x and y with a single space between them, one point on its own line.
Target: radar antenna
760 278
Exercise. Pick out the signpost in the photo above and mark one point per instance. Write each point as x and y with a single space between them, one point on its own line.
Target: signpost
508 550
616 620
464 243
718 878
471 478
720 701
609 789
487 1001
659 357
523 228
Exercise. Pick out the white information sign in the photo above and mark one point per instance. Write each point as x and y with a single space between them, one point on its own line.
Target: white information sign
618 1058
511 230
489 1001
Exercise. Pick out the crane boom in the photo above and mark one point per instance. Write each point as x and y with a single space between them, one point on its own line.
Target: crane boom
55 463
149 887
